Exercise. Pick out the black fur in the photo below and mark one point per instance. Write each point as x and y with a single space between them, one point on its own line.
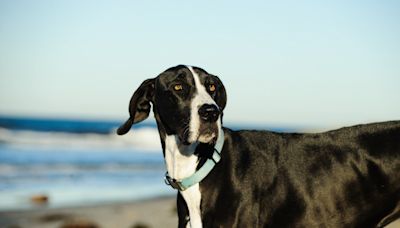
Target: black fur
343 178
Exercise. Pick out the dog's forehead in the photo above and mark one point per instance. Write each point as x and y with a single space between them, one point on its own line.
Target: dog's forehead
202 74
183 73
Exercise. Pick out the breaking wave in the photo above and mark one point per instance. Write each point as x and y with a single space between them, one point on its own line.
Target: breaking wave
145 138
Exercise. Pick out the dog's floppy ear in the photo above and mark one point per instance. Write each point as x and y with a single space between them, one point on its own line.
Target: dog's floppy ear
139 106
220 98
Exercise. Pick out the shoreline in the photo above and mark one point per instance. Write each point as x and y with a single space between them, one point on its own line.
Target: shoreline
154 212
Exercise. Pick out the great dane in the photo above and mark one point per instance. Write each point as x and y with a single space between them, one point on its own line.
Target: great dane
348 177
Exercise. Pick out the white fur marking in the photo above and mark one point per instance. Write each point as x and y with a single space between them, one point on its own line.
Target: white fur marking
202 97
180 159
181 163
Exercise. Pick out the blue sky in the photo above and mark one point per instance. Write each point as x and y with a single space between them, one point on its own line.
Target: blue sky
294 63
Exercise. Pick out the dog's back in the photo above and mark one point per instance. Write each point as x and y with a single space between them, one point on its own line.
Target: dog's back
343 178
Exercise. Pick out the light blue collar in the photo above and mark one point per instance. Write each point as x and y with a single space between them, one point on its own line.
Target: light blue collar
201 173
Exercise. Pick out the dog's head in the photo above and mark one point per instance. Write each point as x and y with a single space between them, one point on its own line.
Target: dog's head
187 102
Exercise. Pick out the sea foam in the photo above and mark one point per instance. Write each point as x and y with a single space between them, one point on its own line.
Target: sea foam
143 139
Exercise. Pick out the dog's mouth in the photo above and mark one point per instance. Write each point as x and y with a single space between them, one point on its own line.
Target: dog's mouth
207 133
209 138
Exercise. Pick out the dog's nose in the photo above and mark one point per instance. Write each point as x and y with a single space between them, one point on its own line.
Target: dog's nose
209 112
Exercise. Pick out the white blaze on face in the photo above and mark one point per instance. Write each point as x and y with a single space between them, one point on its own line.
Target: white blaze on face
200 98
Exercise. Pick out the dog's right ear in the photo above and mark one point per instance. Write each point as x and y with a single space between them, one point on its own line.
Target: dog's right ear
139 106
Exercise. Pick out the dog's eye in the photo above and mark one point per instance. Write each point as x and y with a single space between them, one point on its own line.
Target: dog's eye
211 88
178 87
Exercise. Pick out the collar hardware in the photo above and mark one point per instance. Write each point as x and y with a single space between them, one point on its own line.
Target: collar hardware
173 183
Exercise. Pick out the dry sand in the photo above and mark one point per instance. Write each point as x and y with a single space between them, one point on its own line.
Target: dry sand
153 213
159 212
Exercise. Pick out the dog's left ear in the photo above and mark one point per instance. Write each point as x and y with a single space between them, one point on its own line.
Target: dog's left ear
220 98
139 106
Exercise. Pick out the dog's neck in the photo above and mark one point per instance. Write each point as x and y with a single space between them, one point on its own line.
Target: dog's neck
182 161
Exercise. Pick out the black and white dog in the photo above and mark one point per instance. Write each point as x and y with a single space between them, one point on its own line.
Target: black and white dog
343 178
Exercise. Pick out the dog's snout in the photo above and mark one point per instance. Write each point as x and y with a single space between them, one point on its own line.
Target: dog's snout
209 112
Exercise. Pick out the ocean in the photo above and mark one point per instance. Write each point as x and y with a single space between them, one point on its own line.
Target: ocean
79 162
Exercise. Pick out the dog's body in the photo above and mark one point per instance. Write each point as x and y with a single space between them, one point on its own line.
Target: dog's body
344 178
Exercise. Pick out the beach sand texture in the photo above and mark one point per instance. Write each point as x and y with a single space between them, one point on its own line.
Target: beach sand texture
152 213
144 214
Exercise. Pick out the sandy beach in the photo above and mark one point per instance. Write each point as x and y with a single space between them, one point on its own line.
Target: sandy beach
160 212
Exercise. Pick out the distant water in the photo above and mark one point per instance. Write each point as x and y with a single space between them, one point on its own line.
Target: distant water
77 162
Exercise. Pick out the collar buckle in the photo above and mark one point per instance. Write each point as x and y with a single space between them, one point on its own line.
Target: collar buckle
173 183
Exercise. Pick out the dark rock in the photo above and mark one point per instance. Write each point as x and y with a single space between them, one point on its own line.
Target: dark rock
140 225
40 199
79 223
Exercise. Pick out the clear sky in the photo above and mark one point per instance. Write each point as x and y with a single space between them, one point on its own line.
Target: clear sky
303 63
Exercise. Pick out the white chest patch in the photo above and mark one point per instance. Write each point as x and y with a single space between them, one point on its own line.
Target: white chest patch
181 162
